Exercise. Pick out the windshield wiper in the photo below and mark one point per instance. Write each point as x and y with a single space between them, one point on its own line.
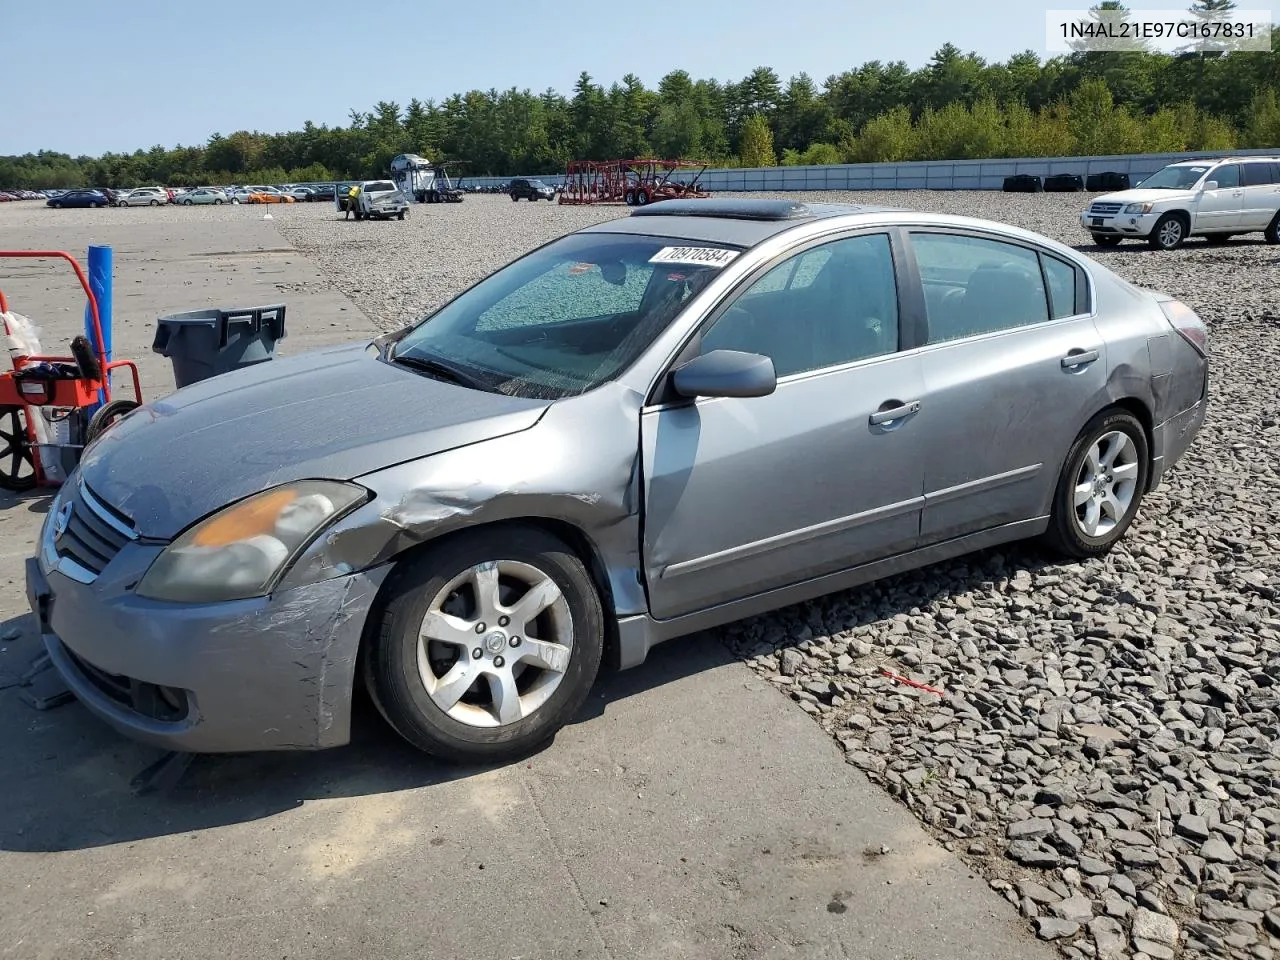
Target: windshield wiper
444 369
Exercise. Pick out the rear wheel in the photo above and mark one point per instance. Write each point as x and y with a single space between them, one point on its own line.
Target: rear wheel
488 645
1106 239
216 202
1272 233
642 197
1169 232
629 198
17 465
1100 487
155 203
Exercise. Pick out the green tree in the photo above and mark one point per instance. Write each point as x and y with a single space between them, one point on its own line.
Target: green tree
757 143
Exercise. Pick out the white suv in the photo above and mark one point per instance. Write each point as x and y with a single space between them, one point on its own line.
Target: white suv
1215 199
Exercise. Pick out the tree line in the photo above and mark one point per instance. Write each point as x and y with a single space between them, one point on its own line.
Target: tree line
957 106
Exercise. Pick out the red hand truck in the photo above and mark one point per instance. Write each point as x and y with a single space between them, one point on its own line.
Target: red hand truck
61 386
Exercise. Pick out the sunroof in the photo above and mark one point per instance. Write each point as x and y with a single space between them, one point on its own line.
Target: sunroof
727 208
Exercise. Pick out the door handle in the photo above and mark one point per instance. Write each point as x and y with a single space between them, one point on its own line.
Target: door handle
894 413
1078 358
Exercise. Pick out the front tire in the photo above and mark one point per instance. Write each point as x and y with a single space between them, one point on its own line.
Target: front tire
1168 233
1101 486
488 644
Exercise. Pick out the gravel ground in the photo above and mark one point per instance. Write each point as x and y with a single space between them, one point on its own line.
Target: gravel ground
1105 743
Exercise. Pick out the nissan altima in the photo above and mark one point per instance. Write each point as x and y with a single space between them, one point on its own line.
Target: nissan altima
675 419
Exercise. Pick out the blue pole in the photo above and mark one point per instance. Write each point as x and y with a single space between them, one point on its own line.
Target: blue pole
100 284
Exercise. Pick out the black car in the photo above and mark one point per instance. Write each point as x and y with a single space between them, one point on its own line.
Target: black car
81 198
325 192
530 190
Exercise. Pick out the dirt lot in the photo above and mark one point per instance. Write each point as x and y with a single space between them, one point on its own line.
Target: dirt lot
1106 755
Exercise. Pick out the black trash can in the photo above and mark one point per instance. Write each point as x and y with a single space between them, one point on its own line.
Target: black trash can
204 343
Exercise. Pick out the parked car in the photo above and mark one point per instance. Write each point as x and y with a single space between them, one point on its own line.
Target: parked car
202 195
301 194
779 401
1216 199
143 197
268 195
241 194
522 189
80 198
378 200
323 192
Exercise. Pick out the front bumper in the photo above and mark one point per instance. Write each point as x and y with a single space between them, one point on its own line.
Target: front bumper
272 673
1122 224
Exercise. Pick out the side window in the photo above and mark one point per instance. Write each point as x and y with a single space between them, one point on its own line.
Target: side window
973 285
828 305
1258 174
1062 287
1227 175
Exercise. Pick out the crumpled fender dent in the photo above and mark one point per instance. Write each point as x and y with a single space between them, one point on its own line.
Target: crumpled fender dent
543 473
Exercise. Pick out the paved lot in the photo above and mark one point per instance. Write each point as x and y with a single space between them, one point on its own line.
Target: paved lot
691 812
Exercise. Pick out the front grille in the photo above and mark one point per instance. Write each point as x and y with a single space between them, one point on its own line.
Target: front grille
1105 209
94 532
148 699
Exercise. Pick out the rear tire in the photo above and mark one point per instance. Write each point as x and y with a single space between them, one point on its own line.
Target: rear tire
642 197
514 700
1272 233
1101 486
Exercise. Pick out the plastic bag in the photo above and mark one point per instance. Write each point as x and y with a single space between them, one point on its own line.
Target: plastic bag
21 336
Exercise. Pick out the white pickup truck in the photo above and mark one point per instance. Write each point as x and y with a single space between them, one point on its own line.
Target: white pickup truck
378 200
1215 199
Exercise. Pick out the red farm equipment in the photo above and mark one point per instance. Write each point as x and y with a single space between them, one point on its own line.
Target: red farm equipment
636 183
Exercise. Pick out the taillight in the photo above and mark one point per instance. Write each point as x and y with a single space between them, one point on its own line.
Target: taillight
1183 319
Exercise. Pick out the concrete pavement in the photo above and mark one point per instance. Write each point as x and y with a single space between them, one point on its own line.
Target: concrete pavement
691 811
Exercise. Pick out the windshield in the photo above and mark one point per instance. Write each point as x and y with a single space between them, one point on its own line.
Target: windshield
536 183
1175 178
567 317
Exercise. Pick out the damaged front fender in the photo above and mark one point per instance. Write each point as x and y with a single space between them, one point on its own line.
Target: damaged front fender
578 466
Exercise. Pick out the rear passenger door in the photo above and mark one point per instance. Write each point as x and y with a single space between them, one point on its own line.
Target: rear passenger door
1013 366
1261 193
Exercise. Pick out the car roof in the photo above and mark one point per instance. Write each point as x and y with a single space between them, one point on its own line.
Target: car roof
739 222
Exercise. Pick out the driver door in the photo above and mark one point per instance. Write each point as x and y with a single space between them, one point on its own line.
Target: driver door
743 496
1221 209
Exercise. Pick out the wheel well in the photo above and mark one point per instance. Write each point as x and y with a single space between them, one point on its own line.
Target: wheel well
1139 409
1181 215
577 541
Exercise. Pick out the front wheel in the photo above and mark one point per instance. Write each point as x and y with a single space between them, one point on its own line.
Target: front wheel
642 197
1169 232
488 645
1100 487
186 203
216 202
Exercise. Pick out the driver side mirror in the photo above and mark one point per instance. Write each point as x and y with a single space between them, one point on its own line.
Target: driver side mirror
1211 185
725 373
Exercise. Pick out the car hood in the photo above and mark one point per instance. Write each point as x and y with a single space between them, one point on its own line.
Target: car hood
1139 195
336 413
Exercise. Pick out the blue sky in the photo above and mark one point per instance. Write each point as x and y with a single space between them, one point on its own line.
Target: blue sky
91 76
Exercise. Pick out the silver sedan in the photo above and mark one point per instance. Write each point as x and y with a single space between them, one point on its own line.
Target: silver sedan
652 426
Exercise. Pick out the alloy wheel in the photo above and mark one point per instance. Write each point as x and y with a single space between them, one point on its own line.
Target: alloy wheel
1105 484
495 643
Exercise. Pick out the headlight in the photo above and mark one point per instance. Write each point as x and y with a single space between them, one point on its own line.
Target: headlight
1138 208
242 550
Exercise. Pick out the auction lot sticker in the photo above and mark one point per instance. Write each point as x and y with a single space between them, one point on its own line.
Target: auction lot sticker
704 256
